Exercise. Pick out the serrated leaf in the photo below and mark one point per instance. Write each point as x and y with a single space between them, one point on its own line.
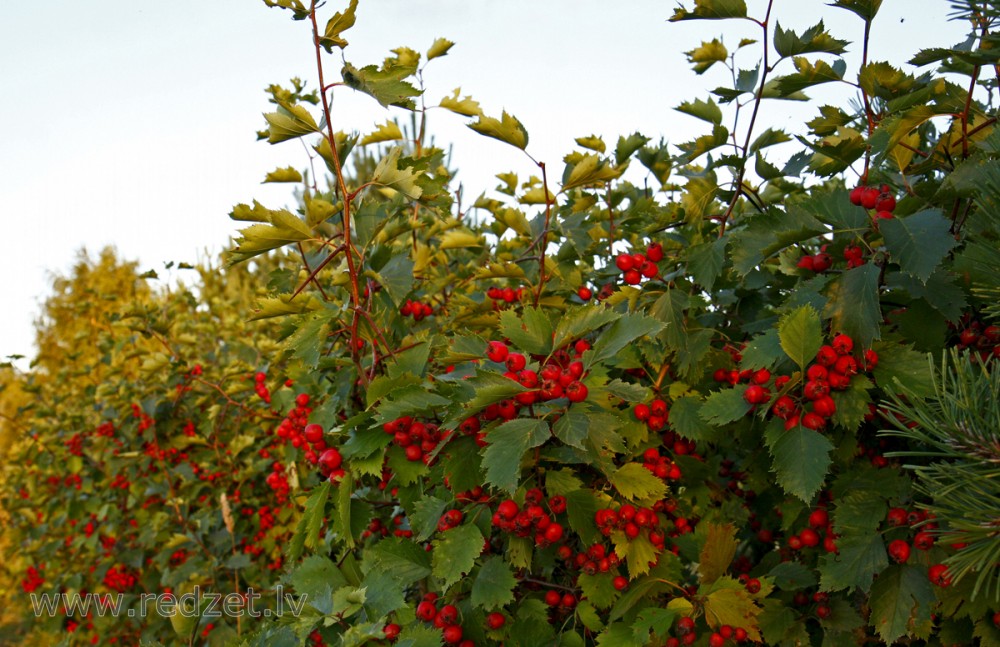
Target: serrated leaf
899 362
425 516
287 174
572 428
705 262
455 552
712 10
815 39
289 122
494 585
580 321
307 531
636 483
507 129
900 596
440 47
763 351
465 106
653 620
734 607
593 142
723 407
389 131
792 576
419 635
621 333
396 277
531 332
385 85
627 146
589 170
708 111
919 242
717 553
706 55
404 559
561 482
686 420
387 173
801 460
864 9
801 335
598 589
618 635
854 307
316 578
338 24
807 74
507 445
859 559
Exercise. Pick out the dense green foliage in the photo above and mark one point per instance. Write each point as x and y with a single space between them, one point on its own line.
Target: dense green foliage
748 400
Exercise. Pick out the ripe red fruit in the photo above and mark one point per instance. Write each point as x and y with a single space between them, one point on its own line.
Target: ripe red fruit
391 631
842 344
584 293
302 400
856 194
869 197
497 351
330 460
821 262
819 518
553 533
886 203
633 277
938 574
313 433
576 391
624 262
795 543
686 625
739 634
763 376
568 600
923 540
756 394
452 634
553 598
752 586
508 509
495 620
516 362
896 517
899 551
784 407
620 583
823 611
813 421
426 611
884 215
809 537
806 263
824 406
641 412
826 356
716 640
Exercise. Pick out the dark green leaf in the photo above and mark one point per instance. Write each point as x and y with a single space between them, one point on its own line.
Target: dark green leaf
919 242
854 307
801 460
455 552
507 445
494 585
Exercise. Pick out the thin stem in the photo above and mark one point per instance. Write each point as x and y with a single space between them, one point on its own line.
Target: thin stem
545 234
869 116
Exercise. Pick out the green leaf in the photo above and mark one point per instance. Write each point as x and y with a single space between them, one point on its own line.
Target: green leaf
388 173
587 170
653 620
284 228
864 9
317 578
289 122
532 332
494 585
307 531
899 362
572 428
792 576
769 137
396 277
801 460
860 558
580 508
732 605
419 635
440 47
723 407
901 596
404 559
580 321
801 335
707 111
854 307
701 145
629 145
507 445
287 174
338 24
706 55
814 39
593 142
712 10
490 388
455 552
769 233
561 482
717 553
598 589
426 513
464 106
618 635
807 74
636 483
919 242
763 351
620 334
706 261
389 131
385 85
507 129
686 420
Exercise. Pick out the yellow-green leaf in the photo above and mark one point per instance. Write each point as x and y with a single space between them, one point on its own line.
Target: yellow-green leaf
439 48
465 106
338 24
507 129
287 174
389 131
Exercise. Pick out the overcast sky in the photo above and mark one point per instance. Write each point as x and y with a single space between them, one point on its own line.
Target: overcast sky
132 123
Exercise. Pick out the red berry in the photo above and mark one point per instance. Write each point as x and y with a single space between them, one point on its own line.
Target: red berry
869 197
553 598
886 203
624 262
809 537
899 551
823 611
753 586
856 194
516 362
302 400
495 620
938 574
824 406
426 610
821 262
923 540
716 640
806 263
819 518
813 421
584 293
576 391
391 631
896 517
330 460
620 583
568 600
497 351
641 412
313 433
756 394
826 356
633 277
452 634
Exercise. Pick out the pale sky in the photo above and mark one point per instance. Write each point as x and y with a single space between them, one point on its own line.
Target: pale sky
132 123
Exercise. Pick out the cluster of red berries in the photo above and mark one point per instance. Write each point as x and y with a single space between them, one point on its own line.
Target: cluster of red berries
445 619
559 377
504 295
899 549
631 521
819 531
292 428
877 199
819 598
598 558
450 519
686 634
260 388
119 578
832 370
33 580
418 439
564 601
660 465
972 334
416 309
532 519
635 267
278 482
656 414
145 421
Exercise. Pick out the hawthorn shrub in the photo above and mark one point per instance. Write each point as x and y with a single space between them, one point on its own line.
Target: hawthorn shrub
758 405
